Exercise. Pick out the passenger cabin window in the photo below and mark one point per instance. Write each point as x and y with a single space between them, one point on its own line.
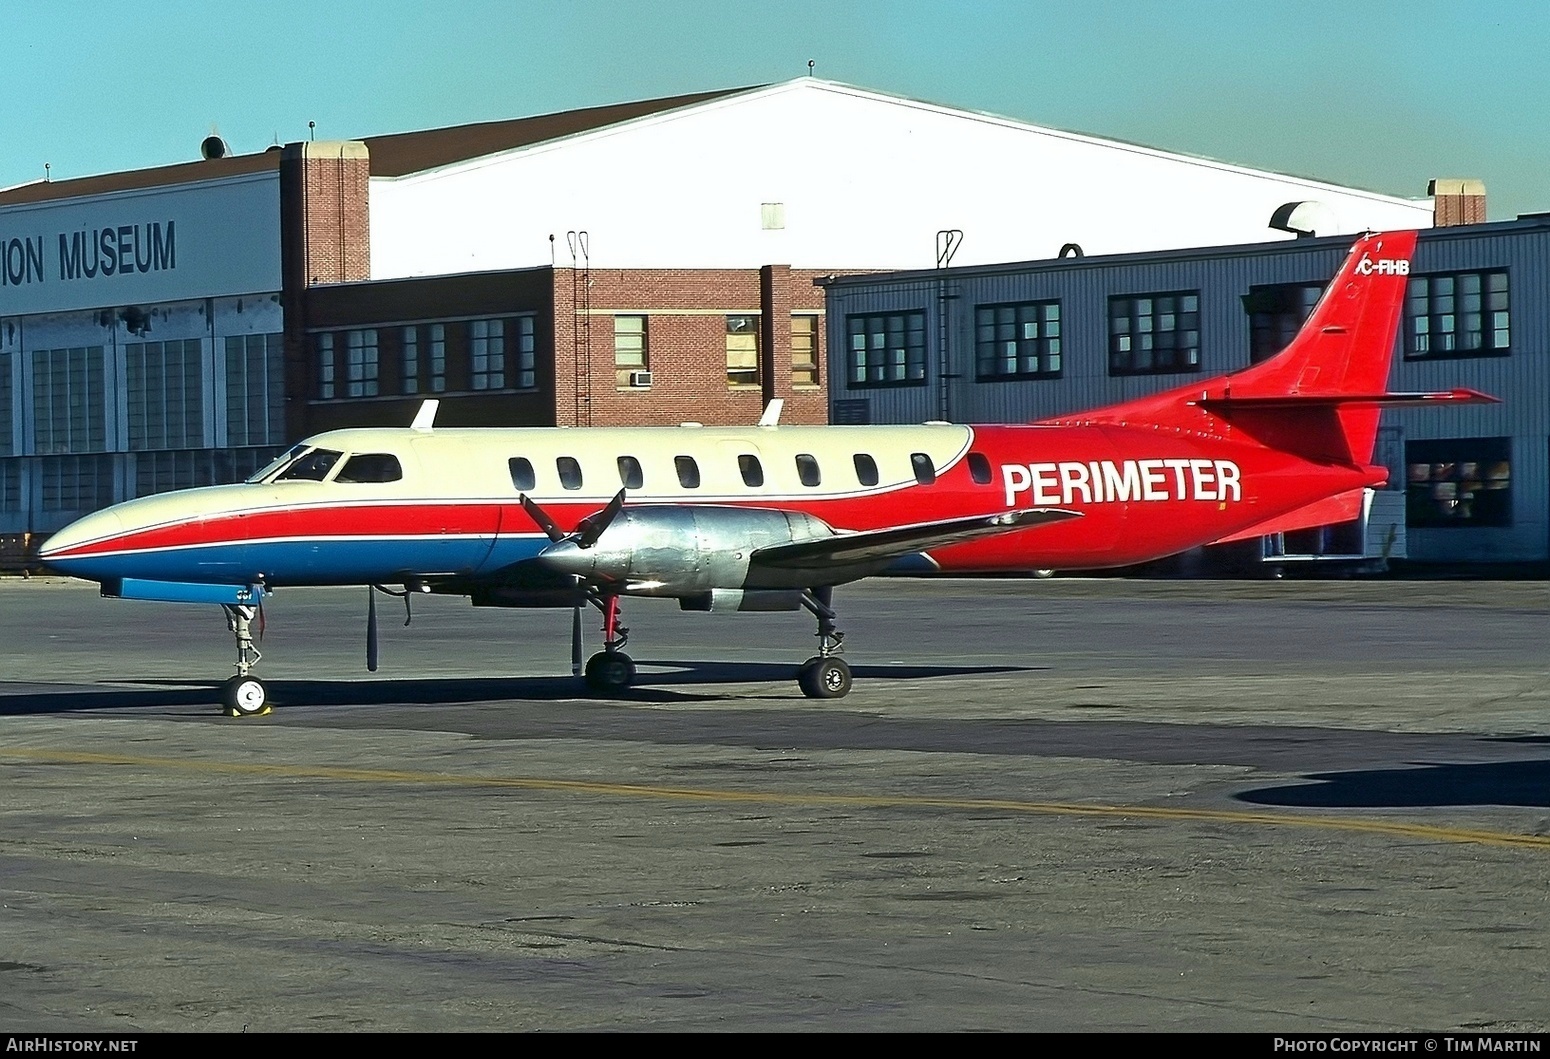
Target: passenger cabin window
753 471
688 471
979 468
313 467
570 471
371 467
522 476
866 468
630 475
807 470
925 470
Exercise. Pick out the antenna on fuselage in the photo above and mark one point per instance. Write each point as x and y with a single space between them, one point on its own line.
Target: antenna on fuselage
771 416
425 418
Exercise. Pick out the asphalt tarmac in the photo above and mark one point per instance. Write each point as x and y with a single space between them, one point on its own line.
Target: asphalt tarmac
1074 804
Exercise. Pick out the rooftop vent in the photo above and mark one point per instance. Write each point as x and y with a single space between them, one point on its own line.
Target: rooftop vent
1303 219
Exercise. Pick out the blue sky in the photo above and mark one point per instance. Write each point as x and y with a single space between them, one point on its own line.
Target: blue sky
1373 93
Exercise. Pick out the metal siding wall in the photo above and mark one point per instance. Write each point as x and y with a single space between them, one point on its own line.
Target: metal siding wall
1521 380
1083 288
889 404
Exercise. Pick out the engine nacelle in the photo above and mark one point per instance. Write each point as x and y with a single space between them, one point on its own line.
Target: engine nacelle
727 599
681 550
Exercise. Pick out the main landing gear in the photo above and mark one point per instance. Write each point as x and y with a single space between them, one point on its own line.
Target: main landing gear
824 676
244 695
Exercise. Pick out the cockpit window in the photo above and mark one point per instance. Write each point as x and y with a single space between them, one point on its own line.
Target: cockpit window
283 460
313 467
371 467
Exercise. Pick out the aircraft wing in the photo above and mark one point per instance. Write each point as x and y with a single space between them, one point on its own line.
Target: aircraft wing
871 546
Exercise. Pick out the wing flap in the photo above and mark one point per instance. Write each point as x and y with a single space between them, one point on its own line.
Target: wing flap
870 546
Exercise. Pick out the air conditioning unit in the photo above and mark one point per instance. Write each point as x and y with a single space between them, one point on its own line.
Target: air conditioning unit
640 378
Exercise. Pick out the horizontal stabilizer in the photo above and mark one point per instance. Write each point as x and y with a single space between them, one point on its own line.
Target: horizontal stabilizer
870 546
1226 403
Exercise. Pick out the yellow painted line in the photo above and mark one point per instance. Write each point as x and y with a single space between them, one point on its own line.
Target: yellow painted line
1393 828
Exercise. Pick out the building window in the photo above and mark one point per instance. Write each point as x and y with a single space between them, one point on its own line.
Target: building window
436 354
10 485
409 366
742 351
68 409
1457 314
165 391
804 351
887 349
487 354
1154 334
1019 341
325 363
1459 482
361 363
630 353
7 447
525 350
76 483
1276 313
255 390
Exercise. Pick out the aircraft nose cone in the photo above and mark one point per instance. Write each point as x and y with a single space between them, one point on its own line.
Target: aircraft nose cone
64 549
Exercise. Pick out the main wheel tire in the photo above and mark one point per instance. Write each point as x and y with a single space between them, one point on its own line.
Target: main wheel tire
610 672
245 696
824 678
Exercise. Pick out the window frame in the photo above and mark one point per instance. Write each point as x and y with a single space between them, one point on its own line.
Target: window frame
1436 499
741 327
989 348
624 364
1125 342
877 357
1486 311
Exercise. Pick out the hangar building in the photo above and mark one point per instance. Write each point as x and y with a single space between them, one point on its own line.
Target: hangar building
641 262
1025 341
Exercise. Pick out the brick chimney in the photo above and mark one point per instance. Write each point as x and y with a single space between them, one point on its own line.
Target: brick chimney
1457 202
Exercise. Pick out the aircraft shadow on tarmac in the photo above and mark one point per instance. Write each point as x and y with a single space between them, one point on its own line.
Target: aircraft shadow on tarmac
1514 783
651 687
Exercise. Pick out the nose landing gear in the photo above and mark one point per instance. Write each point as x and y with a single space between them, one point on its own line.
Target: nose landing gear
244 695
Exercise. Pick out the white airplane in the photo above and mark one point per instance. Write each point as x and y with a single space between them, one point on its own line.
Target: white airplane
773 517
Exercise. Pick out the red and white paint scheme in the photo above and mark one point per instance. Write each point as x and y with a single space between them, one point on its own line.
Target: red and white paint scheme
771 517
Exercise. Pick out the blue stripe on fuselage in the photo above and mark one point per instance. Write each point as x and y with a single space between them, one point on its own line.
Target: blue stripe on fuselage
317 561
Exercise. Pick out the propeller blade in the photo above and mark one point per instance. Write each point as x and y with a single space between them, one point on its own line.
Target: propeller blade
593 526
575 642
371 629
540 516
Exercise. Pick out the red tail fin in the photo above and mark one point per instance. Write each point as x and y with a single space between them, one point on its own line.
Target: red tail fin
1319 397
